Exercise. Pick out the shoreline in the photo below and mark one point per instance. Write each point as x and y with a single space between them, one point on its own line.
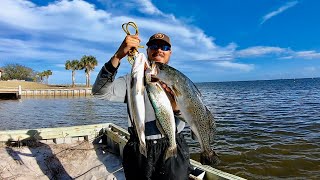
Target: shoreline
15 89
27 85
57 92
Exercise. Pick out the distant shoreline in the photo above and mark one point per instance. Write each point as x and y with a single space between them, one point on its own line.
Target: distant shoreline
11 90
231 81
26 85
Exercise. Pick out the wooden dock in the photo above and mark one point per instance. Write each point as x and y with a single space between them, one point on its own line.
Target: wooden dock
11 93
57 92
17 93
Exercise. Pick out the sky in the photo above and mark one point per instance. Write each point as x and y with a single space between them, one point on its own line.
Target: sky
212 41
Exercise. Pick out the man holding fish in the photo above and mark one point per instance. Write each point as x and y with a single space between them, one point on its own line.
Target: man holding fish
156 148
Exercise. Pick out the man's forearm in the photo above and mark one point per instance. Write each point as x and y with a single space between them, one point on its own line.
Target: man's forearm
105 76
115 60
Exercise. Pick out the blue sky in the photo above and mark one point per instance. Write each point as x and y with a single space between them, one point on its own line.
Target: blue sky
228 40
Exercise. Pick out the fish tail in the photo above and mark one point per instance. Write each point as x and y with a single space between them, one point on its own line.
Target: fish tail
171 151
209 158
143 149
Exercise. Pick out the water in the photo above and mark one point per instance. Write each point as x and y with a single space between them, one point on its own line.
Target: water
265 129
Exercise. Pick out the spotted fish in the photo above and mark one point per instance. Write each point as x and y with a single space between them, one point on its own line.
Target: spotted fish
164 115
191 108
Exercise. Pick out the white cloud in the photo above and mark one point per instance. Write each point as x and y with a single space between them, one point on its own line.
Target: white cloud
277 52
302 55
260 51
278 11
307 55
66 30
147 7
232 65
63 24
17 13
71 19
142 6
52 52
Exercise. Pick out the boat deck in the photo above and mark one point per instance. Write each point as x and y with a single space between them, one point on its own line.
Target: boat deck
80 160
78 152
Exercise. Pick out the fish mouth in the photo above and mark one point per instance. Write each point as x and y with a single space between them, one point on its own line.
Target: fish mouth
151 73
154 69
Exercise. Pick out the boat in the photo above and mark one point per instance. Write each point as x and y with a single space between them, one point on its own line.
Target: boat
107 137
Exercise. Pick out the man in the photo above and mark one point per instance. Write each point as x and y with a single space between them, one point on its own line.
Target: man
136 166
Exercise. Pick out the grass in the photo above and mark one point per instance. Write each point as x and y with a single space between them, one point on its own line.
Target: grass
32 85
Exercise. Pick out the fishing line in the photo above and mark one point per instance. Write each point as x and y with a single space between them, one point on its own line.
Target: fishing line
133 51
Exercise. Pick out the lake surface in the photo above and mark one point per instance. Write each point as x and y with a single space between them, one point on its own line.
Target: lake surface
265 129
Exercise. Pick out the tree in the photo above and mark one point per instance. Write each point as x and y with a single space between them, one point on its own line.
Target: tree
73 65
41 75
88 63
17 71
47 73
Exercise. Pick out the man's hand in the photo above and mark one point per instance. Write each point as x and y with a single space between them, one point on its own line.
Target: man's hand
171 97
129 42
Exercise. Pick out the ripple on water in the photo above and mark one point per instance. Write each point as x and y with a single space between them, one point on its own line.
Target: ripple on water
278 161
265 129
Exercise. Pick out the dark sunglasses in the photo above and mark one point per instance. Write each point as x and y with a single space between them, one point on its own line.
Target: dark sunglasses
162 47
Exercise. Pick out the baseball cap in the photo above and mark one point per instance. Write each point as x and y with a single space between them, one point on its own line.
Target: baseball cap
159 36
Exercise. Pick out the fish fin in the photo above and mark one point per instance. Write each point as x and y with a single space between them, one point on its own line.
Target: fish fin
160 127
173 100
171 95
176 91
146 64
209 158
211 125
179 116
194 87
193 135
171 152
143 149
159 87
196 90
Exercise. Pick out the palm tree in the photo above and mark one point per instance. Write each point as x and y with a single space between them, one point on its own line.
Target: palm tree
47 73
41 75
88 63
73 65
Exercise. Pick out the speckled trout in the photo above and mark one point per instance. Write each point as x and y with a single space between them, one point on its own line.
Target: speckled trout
188 100
164 115
137 90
